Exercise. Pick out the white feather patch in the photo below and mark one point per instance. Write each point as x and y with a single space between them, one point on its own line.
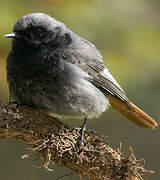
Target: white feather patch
107 74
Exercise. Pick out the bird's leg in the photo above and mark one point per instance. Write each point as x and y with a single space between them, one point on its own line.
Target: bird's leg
82 130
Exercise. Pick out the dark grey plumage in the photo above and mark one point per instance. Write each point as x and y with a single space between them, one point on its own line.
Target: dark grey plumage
56 71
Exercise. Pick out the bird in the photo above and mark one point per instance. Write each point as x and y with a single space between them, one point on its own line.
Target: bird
52 69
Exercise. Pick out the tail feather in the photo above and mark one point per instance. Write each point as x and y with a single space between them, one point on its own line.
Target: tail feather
132 113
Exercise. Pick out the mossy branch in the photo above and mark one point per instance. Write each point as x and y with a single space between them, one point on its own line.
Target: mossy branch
50 140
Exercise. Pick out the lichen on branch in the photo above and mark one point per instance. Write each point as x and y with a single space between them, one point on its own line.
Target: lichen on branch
52 141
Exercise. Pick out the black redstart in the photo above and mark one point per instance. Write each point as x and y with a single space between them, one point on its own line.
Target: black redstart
56 71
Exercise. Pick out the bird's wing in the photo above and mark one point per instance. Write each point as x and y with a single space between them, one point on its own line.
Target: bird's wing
103 80
89 59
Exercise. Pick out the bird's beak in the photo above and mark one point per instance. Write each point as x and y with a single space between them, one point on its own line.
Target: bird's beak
12 35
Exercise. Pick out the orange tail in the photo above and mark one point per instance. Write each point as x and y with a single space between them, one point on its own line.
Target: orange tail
132 113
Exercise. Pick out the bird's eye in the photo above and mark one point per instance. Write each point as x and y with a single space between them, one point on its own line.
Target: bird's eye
38 32
28 35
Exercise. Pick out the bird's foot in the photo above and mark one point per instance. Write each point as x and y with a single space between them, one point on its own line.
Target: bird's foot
14 103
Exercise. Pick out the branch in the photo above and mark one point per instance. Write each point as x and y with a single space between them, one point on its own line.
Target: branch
50 140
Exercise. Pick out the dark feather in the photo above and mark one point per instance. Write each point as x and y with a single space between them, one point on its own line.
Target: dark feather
102 82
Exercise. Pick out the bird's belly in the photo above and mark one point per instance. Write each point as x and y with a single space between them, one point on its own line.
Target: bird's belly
73 100
78 101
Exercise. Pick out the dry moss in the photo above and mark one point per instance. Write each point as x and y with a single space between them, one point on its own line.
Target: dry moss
95 159
51 141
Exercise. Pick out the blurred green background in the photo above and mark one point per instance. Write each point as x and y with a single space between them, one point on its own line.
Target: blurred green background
128 35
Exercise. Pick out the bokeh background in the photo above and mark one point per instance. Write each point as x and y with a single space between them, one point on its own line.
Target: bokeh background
128 35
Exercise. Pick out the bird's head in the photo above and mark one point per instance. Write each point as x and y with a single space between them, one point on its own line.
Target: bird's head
38 28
